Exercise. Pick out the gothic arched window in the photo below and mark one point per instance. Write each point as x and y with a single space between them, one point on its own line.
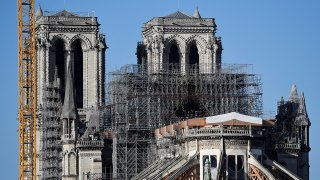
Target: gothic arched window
193 59
59 66
78 72
174 54
174 58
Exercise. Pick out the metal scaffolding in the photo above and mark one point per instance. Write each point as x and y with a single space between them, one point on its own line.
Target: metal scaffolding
142 99
51 131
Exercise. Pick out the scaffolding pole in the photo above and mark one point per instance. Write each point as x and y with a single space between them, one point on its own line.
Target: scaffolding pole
51 131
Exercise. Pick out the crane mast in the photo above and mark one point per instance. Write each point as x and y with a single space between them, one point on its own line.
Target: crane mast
27 99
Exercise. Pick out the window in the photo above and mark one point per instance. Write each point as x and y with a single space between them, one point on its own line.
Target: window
174 59
57 65
78 72
193 59
236 167
209 163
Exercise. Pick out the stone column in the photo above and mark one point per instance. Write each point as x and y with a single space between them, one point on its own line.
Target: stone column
91 77
161 58
100 77
85 78
183 62
40 75
149 60
96 76
48 63
203 66
209 61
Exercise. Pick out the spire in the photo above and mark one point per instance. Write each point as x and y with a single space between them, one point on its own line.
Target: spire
196 13
282 101
68 108
39 12
293 97
302 118
302 105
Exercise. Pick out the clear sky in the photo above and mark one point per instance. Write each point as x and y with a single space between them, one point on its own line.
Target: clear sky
280 38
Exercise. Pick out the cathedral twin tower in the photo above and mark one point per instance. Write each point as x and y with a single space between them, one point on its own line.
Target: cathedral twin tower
180 42
71 89
84 134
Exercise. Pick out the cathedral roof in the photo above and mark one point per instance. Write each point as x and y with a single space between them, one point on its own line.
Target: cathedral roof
66 18
179 15
65 13
234 116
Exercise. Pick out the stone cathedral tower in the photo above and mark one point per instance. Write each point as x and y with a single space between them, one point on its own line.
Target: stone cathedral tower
71 65
180 42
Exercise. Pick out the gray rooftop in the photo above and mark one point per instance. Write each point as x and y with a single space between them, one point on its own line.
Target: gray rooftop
179 15
65 13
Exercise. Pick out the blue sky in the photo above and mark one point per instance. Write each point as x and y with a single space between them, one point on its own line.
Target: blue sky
280 38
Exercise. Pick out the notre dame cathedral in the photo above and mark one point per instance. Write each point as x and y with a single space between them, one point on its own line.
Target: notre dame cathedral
178 113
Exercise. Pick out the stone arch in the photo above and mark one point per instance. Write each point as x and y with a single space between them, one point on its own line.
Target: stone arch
85 42
53 39
59 46
202 64
256 173
173 46
179 40
200 42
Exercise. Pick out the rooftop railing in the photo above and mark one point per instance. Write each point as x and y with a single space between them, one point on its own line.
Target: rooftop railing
287 146
206 132
85 143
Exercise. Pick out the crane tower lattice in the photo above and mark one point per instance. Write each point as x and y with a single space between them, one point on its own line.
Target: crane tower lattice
27 89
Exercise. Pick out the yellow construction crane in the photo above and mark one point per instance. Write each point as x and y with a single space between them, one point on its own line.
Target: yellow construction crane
27 92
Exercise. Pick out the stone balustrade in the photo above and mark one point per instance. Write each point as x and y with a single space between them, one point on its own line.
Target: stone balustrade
287 146
81 111
88 143
246 131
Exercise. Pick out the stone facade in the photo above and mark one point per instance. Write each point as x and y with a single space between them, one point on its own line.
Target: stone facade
70 28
